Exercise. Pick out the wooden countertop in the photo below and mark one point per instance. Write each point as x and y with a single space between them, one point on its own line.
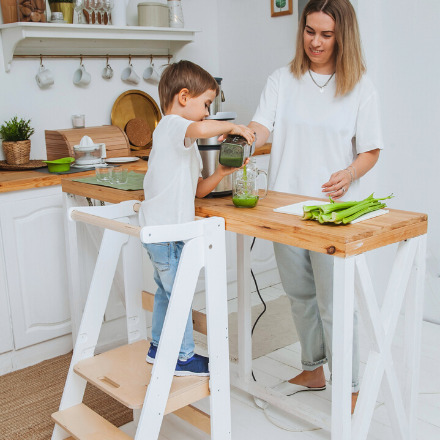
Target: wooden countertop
30 179
263 222
20 180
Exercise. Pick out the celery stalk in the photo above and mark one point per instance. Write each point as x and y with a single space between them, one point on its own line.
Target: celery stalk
372 208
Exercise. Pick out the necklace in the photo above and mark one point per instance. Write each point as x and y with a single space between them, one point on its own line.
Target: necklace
321 88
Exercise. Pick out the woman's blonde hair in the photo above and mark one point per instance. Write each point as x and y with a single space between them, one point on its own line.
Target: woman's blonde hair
350 64
181 75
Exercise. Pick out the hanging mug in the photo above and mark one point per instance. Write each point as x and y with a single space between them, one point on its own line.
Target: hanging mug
107 72
81 77
129 75
44 77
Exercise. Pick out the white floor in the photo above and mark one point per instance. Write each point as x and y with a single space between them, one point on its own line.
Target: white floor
251 422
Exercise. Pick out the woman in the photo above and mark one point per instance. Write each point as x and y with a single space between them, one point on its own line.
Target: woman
324 115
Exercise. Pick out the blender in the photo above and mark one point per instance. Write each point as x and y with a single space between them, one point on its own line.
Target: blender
210 148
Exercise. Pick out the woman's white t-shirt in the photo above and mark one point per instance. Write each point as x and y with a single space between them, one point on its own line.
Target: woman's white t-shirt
316 134
174 167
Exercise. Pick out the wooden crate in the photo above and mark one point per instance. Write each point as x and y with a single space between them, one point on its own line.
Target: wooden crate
60 143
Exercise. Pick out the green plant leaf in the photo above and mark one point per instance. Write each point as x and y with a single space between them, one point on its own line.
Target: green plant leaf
16 130
280 3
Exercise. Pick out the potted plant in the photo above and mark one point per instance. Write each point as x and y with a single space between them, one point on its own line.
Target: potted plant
64 6
16 143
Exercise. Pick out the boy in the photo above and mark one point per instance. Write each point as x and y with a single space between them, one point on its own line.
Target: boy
173 180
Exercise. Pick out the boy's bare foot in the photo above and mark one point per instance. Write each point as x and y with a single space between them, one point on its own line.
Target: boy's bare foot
311 379
354 398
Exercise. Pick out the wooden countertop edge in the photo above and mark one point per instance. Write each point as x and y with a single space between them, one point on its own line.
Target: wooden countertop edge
23 180
30 179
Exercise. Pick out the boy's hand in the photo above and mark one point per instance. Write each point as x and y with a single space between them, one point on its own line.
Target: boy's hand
244 131
225 171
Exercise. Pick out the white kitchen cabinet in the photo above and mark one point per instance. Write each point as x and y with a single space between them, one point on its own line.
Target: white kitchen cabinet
32 230
6 341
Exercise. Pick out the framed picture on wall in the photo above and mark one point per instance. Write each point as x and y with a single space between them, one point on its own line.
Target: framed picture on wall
281 7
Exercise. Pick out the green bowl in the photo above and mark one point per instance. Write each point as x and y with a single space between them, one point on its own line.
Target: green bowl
59 165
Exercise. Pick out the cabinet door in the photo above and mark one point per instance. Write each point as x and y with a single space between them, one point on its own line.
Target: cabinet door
32 226
6 342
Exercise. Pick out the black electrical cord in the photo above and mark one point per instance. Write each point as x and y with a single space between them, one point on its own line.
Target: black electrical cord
261 299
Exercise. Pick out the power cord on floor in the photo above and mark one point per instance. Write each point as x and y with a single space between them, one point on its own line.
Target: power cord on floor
264 405
261 299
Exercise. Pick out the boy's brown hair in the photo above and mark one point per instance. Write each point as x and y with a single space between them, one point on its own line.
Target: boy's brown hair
184 75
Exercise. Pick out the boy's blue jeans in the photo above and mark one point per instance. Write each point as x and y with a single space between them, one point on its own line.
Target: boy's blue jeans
165 258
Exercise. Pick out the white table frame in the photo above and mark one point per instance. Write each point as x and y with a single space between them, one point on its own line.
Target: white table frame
351 276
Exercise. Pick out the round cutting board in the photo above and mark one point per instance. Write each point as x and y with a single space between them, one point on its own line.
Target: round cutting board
135 104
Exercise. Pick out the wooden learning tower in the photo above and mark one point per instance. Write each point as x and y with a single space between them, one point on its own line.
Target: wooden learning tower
151 391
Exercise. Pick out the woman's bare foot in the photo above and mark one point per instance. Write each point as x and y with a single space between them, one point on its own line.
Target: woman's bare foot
354 398
311 379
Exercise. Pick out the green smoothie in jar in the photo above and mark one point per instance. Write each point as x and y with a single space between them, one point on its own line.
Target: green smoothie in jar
245 200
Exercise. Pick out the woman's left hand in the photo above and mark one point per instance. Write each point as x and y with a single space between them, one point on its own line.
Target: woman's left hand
338 184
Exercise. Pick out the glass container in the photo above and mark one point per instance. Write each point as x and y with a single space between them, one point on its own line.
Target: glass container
245 190
234 150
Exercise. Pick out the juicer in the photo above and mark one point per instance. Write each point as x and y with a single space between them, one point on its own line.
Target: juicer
88 154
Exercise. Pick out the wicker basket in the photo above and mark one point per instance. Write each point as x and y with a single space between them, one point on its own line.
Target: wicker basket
17 153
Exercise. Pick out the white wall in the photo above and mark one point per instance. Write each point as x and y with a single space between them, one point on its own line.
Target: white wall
398 38
252 45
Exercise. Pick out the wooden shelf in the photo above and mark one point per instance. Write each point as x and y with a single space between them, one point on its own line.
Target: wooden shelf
124 374
80 39
84 424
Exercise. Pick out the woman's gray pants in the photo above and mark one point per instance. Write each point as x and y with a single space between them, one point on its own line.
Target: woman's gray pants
307 279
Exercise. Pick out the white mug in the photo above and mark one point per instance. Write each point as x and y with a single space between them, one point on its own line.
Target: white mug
81 77
44 78
148 72
107 72
129 75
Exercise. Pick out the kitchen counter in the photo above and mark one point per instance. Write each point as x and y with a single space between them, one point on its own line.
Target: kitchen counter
20 180
29 179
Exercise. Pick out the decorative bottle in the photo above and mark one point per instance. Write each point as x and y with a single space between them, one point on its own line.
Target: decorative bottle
176 14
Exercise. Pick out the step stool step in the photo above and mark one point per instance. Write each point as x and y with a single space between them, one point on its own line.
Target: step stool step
84 424
124 374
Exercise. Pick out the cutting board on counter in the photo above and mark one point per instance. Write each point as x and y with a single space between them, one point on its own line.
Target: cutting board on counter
60 143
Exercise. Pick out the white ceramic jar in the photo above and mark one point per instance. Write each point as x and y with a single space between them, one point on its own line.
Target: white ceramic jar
152 14
119 13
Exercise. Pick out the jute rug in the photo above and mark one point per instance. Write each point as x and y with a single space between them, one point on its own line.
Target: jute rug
274 330
28 397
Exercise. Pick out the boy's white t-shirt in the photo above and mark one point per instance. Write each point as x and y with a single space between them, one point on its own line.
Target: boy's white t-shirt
316 134
174 167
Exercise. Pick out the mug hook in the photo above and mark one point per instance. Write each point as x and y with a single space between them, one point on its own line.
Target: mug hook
107 61
129 60
81 60
41 60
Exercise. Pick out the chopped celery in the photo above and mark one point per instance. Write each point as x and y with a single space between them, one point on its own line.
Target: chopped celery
343 212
